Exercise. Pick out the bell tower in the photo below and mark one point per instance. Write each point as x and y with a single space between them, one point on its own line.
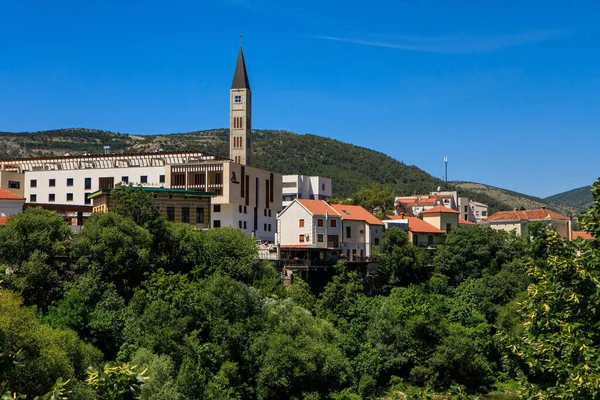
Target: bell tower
240 113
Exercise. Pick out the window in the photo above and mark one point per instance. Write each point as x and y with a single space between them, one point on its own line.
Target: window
477 213
14 185
171 214
333 223
348 232
69 181
466 217
288 184
125 179
69 196
269 227
265 212
216 223
240 224
51 197
199 215
376 241
245 210
161 178
430 240
269 212
106 183
218 178
33 198
33 183
245 225
216 208
238 99
322 186
301 239
320 238
466 209
448 228
301 223
320 222
484 213
185 215
88 183
86 200
265 227
144 179
51 182
240 208
179 179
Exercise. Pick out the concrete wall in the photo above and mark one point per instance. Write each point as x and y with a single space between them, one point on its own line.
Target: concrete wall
10 207
440 220
8 179
305 187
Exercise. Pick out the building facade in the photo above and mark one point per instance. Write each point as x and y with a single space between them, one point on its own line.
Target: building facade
472 211
420 233
443 218
517 221
240 114
10 203
305 187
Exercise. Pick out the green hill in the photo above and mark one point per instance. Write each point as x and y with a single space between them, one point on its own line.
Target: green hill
351 167
577 200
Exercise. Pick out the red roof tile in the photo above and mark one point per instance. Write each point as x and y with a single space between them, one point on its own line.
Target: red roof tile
527 215
3 220
583 235
440 209
356 213
8 195
318 207
417 225
465 222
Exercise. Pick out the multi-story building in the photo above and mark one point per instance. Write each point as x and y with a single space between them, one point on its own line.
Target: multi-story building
443 218
186 206
361 232
305 187
472 211
247 198
517 221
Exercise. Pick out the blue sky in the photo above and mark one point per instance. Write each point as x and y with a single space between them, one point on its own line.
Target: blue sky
508 90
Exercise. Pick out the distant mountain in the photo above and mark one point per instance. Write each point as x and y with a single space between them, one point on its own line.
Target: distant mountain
351 167
577 200
514 199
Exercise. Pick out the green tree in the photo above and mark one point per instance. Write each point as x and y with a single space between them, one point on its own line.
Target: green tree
401 262
558 348
377 199
133 202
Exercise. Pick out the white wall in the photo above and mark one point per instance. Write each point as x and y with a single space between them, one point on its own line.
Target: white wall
288 228
10 207
78 189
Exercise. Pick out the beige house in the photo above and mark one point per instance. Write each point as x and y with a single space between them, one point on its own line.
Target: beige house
517 221
442 218
361 232
185 206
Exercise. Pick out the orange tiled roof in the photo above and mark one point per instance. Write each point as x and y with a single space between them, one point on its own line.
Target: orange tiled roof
3 220
356 213
318 207
584 235
527 215
465 222
418 201
8 195
417 225
440 209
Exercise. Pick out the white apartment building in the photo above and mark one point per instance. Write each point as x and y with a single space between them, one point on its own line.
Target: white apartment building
305 187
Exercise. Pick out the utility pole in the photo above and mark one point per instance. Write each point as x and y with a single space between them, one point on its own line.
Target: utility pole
446 173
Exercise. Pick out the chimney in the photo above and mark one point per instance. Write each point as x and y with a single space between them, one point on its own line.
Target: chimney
543 207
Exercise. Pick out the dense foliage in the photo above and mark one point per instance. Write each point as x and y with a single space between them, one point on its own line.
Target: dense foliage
133 306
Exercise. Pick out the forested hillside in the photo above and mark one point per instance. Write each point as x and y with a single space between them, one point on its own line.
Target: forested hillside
136 307
351 167
578 200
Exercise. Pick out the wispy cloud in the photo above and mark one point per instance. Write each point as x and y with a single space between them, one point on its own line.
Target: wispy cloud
452 44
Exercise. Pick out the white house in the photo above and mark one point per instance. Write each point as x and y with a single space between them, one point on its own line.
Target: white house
361 232
305 187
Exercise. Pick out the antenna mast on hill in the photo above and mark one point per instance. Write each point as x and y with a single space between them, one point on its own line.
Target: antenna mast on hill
446 173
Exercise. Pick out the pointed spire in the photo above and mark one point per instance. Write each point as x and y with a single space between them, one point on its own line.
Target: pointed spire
240 77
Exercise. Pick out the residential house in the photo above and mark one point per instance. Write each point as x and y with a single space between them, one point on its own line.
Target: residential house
517 221
472 211
421 233
10 204
361 232
442 218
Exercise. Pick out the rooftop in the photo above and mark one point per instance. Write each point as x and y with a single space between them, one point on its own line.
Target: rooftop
416 225
440 209
8 195
318 207
240 76
189 193
3 220
465 222
356 213
583 235
525 215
